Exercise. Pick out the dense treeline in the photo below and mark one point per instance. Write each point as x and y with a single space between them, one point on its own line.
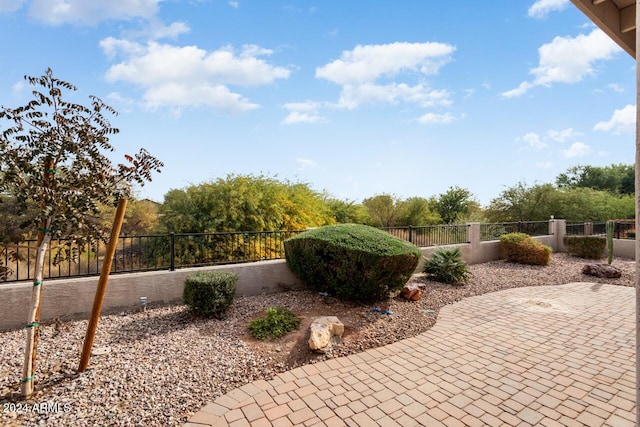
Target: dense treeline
258 203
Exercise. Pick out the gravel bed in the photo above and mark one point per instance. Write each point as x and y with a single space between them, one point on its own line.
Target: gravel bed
162 365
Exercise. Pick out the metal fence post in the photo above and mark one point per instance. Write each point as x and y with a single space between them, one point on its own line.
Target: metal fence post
172 247
411 234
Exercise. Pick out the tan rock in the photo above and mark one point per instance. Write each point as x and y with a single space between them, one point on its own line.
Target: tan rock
325 331
411 291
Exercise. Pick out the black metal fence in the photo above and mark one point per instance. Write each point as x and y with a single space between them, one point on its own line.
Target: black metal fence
621 229
431 235
178 250
495 230
147 253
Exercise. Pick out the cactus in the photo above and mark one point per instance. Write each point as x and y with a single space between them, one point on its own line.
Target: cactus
610 226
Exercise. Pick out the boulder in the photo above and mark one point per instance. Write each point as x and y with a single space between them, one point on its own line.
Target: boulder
605 271
325 331
411 291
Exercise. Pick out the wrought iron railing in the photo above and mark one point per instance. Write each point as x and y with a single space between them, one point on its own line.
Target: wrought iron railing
493 231
178 250
622 229
146 253
431 235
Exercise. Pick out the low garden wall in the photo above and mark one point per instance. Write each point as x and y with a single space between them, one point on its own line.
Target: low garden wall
73 298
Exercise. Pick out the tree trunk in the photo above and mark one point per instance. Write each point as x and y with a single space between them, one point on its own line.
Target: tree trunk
44 236
34 317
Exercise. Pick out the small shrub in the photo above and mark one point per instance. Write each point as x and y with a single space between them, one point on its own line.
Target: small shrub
591 247
523 249
210 293
446 265
351 261
279 321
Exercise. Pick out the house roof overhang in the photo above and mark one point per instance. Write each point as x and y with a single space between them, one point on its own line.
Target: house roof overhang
617 18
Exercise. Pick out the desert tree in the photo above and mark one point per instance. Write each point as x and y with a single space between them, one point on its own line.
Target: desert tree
53 155
383 209
454 203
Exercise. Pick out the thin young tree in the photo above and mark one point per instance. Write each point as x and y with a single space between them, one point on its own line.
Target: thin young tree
53 155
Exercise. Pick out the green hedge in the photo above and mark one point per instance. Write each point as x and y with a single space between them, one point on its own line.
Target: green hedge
523 249
210 293
351 261
591 247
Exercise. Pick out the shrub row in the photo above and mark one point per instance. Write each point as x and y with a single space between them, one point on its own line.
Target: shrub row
591 247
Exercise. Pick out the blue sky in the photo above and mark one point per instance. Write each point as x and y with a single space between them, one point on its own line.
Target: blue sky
355 98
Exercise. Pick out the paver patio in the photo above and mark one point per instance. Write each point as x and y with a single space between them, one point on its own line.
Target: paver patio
548 355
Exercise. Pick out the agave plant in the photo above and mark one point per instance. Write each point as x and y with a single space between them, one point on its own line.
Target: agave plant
446 265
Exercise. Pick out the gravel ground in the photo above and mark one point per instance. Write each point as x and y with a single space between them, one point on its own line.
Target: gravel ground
162 365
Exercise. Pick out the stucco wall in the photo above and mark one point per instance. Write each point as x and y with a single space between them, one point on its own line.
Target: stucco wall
73 298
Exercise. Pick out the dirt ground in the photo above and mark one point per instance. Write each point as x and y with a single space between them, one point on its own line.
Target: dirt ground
293 349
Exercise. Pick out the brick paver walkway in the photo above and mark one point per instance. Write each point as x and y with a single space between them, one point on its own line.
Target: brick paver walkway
551 356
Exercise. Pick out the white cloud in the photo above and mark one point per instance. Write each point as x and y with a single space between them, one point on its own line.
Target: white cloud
577 149
544 165
171 31
541 8
623 120
112 46
332 34
234 4
616 87
567 60
305 163
18 88
57 12
369 93
360 71
533 141
182 76
365 64
303 112
298 117
125 104
10 5
432 118
563 135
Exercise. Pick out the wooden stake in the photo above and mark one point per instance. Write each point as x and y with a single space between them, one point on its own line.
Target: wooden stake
102 287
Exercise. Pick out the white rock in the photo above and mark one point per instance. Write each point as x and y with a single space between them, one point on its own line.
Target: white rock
325 331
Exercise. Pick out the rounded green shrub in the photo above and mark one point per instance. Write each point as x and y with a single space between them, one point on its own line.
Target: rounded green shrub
351 261
590 247
523 249
279 321
446 265
210 293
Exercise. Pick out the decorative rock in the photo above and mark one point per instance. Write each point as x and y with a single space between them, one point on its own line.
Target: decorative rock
411 291
99 351
605 271
325 331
